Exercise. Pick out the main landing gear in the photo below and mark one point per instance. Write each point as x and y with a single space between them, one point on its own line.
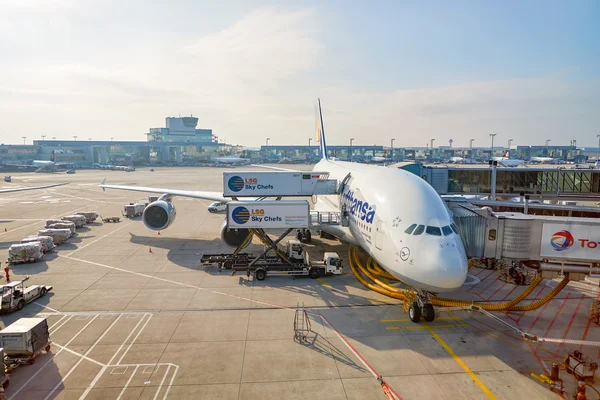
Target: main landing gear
421 307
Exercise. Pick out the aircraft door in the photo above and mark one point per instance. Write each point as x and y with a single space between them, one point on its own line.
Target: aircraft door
379 231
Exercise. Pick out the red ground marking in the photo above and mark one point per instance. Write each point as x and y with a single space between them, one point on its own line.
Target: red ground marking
488 286
557 313
535 321
474 286
570 322
534 299
497 290
587 328
508 294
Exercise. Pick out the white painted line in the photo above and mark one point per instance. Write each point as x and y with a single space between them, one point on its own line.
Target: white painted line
78 354
64 378
58 322
32 377
134 339
101 372
162 382
171 382
100 238
127 384
55 328
41 305
119 370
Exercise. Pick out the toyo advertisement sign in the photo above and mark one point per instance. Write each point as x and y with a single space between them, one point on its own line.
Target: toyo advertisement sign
570 240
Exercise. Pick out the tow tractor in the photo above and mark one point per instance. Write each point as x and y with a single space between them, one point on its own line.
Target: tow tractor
15 295
289 259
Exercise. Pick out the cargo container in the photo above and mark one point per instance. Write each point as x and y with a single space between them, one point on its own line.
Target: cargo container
78 220
90 216
277 183
268 214
132 210
25 337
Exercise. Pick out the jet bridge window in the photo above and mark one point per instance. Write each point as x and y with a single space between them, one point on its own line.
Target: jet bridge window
410 229
434 230
446 230
420 229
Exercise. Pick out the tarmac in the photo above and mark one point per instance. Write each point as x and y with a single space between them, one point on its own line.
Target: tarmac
133 315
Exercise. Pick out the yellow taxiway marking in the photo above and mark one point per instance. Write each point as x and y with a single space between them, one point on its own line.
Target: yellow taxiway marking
398 328
323 282
460 362
408 319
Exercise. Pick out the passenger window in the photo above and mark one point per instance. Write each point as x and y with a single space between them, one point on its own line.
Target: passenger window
434 230
454 228
419 230
492 234
410 229
446 230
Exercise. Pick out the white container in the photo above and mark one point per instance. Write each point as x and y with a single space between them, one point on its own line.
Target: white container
25 252
58 235
63 225
90 216
78 220
276 183
268 214
25 337
46 241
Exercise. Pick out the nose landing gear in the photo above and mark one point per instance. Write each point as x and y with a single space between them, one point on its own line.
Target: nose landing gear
421 307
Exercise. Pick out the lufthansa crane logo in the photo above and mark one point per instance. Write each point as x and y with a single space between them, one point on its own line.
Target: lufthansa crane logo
404 253
562 240
240 215
235 183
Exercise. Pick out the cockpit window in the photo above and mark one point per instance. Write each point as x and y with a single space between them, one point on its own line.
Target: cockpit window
446 230
419 230
454 228
434 230
410 229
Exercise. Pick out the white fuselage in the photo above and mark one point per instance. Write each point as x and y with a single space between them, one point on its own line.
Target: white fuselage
382 203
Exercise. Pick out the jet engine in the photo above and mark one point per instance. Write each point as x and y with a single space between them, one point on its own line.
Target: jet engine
233 237
159 215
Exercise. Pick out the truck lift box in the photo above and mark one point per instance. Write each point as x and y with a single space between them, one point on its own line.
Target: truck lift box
280 183
25 337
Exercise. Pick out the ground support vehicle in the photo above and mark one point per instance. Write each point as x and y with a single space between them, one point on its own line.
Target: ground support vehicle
15 295
290 259
110 219
133 210
23 341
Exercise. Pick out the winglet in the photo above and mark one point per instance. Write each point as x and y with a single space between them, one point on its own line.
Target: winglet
320 130
102 184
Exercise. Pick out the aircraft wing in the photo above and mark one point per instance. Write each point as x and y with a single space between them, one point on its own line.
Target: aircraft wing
213 196
275 168
30 188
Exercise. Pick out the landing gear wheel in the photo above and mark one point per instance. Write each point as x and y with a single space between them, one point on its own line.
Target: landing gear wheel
5 384
428 312
260 274
313 273
414 312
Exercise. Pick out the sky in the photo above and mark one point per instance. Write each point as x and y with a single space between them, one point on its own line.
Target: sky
411 71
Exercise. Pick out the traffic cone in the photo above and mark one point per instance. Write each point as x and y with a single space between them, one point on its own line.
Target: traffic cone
150 250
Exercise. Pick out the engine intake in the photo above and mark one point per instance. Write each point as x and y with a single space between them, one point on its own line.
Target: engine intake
233 237
159 215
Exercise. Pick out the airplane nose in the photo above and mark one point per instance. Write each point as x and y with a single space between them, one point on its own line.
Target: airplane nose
448 264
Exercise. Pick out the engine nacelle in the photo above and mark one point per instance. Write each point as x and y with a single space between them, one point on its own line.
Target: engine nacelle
233 237
159 215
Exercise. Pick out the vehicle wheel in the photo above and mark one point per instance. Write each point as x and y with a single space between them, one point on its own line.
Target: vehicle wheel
20 305
299 236
47 348
260 274
428 312
313 273
414 312
228 264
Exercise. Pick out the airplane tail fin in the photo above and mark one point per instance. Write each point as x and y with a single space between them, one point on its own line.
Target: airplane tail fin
507 155
320 130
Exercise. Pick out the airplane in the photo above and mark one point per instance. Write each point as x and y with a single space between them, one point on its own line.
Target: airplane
541 160
507 161
30 188
230 160
457 160
394 216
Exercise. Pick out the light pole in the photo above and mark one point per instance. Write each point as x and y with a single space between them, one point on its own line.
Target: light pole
111 139
24 137
492 135
598 150
350 152
431 147
392 148
309 150
471 144
75 137
547 150
53 137
268 141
